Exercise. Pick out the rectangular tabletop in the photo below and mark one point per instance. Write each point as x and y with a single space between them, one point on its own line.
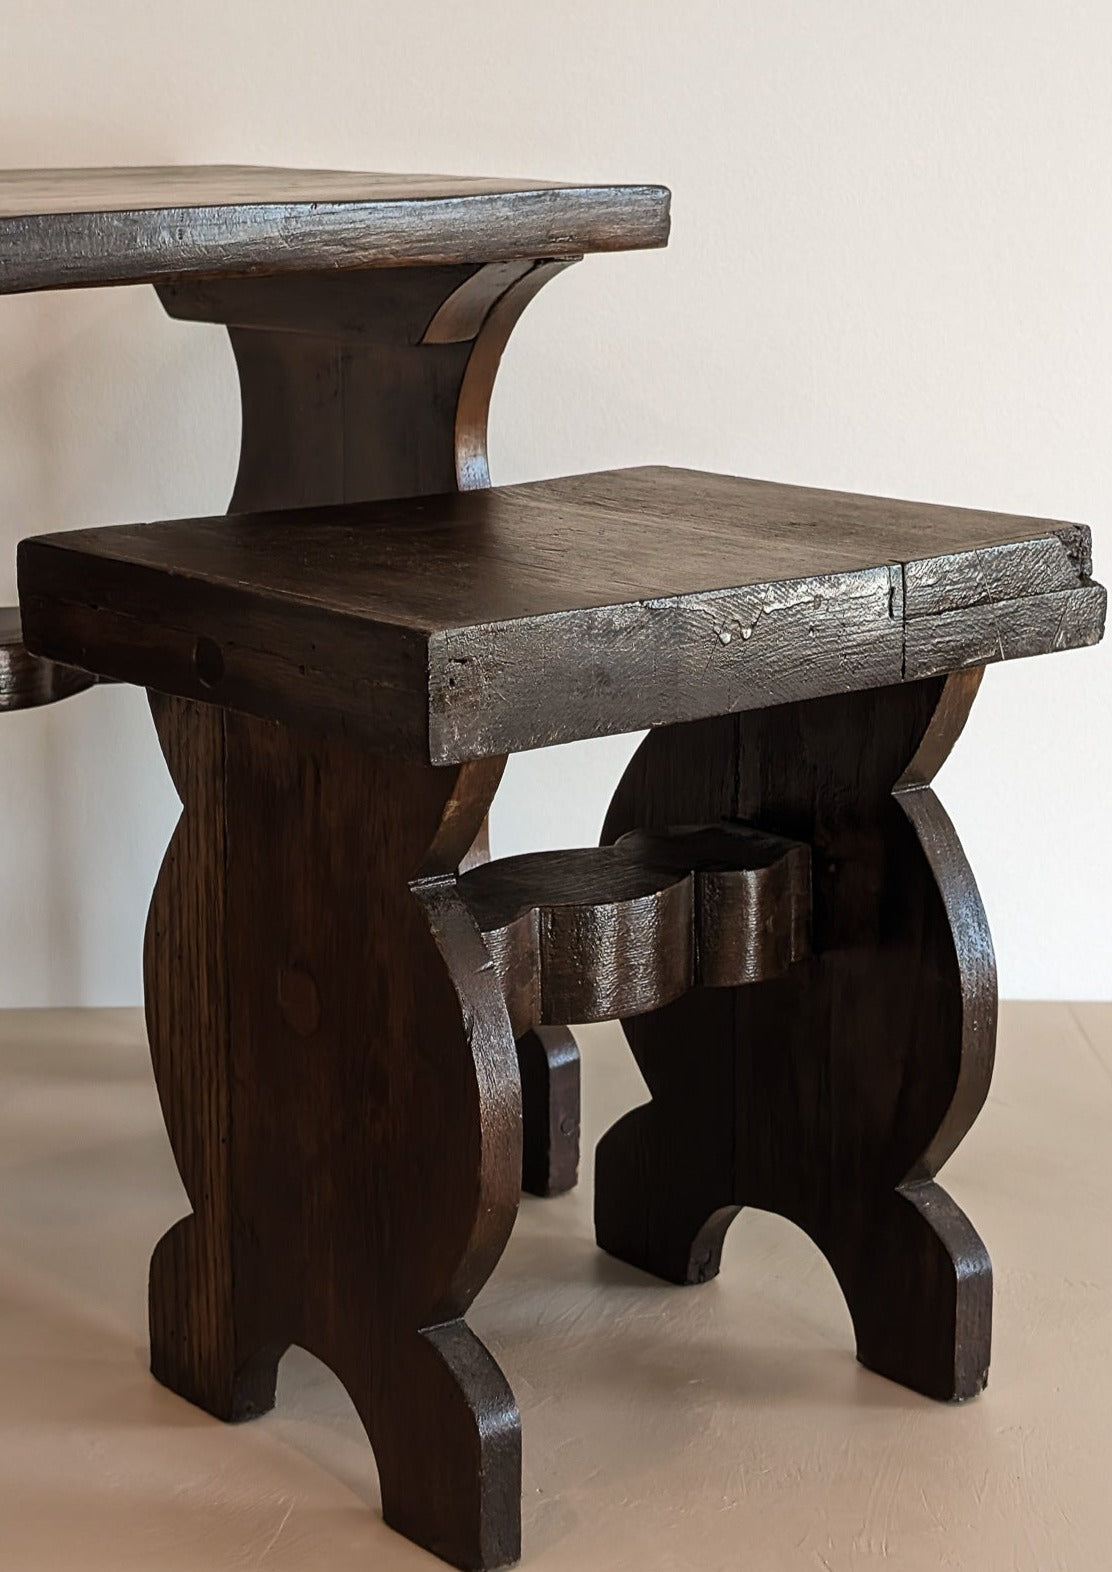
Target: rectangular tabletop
66 227
484 622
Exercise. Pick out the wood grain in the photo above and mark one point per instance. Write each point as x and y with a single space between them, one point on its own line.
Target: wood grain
367 385
616 931
833 1094
194 1345
340 1085
548 1062
27 680
441 628
64 228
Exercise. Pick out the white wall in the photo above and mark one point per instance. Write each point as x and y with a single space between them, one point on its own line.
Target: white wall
890 272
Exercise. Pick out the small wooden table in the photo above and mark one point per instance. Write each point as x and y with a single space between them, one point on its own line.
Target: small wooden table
780 913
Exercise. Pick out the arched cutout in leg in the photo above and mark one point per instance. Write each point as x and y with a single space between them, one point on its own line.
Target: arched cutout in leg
664 1174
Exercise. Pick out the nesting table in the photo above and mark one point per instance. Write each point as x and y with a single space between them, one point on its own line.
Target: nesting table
357 1019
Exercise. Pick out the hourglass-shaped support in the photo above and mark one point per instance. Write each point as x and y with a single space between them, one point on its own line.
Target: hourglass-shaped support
832 1094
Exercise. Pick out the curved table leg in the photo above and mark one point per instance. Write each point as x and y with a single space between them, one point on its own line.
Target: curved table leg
339 1080
834 1094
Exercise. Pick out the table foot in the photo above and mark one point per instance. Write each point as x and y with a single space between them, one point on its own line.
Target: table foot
548 1059
339 1080
192 1315
664 1174
447 1440
919 1288
833 1093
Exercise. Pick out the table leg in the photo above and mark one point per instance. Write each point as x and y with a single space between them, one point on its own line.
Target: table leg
27 680
338 1075
548 1060
833 1094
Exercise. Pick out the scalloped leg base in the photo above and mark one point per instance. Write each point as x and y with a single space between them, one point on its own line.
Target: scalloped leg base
665 1181
915 1274
651 1214
440 1415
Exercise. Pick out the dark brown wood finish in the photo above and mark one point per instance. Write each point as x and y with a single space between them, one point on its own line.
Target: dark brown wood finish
340 1085
833 1094
443 629
620 930
548 1062
335 406
366 385
807 980
360 379
590 935
26 680
62 228
335 978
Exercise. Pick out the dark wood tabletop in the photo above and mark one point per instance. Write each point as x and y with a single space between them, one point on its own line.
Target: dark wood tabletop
63 228
477 623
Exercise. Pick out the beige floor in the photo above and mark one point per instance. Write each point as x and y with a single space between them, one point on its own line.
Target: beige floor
721 1427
